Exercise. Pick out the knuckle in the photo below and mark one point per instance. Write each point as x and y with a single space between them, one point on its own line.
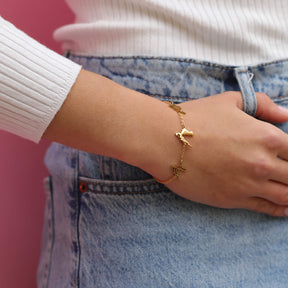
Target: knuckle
271 138
283 198
262 167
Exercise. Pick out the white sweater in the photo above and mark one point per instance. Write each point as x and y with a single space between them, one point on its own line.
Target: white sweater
35 81
233 32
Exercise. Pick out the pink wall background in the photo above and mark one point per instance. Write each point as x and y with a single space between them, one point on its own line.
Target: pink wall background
21 165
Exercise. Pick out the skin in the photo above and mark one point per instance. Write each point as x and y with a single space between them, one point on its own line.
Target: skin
236 161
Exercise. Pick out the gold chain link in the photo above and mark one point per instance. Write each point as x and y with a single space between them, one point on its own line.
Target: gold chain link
178 169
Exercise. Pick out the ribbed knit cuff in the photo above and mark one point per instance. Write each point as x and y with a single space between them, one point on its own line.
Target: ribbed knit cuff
34 83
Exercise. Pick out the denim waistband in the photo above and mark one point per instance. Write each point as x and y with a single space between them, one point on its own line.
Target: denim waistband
186 79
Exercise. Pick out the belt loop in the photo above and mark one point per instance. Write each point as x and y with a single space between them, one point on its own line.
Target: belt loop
244 78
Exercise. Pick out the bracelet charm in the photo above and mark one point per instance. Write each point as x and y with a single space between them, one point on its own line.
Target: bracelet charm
178 169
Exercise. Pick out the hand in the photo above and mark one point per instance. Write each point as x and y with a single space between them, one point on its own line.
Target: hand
236 161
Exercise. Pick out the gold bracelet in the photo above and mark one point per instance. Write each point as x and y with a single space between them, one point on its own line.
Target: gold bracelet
178 169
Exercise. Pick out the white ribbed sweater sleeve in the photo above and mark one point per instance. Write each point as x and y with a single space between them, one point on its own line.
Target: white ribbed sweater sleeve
34 82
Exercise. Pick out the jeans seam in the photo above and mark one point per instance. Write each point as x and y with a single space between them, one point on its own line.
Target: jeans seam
52 232
175 59
244 95
128 193
77 220
172 59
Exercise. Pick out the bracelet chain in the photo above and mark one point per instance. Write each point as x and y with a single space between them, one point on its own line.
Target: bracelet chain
178 169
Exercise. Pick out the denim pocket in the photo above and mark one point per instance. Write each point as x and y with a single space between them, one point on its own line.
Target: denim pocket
104 175
122 227
47 237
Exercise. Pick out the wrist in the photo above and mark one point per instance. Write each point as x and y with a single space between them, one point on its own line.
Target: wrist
157 148
100 116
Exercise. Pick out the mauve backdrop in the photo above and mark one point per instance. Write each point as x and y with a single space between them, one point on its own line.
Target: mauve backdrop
21 165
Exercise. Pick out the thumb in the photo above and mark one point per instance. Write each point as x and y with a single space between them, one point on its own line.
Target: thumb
268 111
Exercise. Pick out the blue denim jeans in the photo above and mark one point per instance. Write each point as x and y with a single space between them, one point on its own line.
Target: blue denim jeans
109 224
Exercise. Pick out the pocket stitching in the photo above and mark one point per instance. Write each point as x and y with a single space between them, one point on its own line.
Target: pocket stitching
112 187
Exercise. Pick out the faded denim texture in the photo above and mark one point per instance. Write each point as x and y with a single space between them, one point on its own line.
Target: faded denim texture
125 230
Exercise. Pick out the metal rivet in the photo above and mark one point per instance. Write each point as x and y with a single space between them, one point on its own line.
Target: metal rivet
83 187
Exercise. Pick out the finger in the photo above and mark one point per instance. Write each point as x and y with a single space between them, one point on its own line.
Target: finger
267 110
280 173
283 148
275 140
260 205
273 192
